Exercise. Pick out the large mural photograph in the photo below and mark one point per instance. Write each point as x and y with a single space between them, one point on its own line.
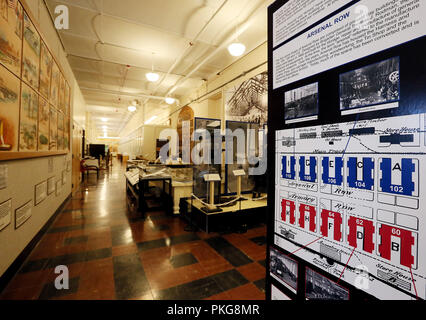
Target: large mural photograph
248 102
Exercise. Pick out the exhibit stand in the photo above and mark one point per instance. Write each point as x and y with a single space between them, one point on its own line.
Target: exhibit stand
346 150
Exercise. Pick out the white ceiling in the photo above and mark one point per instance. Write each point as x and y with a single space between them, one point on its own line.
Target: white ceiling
111 44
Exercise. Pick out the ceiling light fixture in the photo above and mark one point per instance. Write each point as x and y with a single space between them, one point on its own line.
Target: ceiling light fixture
131 108
169 100
104 119
236 48
151 119
152 76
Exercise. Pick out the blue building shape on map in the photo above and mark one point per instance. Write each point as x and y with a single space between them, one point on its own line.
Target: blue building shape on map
327 165
311 176
406 168
286 173
367 180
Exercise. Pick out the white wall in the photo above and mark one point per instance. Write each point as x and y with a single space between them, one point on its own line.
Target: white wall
23 175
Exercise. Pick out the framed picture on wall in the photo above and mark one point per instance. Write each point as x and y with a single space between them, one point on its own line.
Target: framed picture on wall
30 53
28 120
53 129
31 84
43 124
9 110
45 71
11 20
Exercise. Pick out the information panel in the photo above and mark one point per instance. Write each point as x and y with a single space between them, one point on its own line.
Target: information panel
347 142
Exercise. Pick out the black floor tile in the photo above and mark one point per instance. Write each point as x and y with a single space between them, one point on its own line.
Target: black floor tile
230 279
34 265
232 254
76 240
262 263
182 260
98 254
159 243
260 241
120 235
202 288
66 259
49 290
152 244
195 290
261 284
129 277
188 237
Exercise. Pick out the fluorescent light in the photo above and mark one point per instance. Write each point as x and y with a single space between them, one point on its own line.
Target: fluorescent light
151 119
104 119
131 108
169 100
152 76
236 49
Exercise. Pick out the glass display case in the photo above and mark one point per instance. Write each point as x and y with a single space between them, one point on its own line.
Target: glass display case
181 173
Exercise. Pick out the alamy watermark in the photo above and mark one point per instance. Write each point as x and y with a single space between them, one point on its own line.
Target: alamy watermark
62 18
207 147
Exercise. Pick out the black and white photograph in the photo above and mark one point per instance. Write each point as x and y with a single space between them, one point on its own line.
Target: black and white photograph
319 287
248 102
370 85
301 102
284 269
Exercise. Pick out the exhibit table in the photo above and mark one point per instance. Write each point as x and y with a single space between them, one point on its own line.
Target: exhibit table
237 214
144 182
179 190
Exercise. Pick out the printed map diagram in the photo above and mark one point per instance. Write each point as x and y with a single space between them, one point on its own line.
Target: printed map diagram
353 205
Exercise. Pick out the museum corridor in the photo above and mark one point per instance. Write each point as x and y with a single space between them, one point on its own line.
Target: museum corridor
111 255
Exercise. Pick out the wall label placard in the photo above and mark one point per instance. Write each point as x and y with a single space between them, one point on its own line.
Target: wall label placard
40 192
23 213
5 213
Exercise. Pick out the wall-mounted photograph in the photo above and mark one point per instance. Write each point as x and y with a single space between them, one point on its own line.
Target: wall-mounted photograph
45 70
248 102
43 125
283 269
9 110
28 120
30 54
54 85
319 287
53 129
301 104
370 88
11 17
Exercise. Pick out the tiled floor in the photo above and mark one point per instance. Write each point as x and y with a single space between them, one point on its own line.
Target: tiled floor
111 255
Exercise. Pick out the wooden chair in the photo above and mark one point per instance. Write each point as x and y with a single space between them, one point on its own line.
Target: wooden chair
84 167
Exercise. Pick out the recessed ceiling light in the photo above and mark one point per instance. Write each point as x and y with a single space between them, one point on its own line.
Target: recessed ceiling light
170 100
152 76
104 119
131 108
236 49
